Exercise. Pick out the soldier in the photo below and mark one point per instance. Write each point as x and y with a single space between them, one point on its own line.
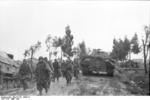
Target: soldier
51 71
76 70
52 68
25 74
68 71
42 74
49 64
63 65
57 70
110 67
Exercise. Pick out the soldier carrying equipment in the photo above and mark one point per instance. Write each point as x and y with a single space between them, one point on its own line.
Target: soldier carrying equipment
42 73
25 74
76 70
57 70
68 72
51 70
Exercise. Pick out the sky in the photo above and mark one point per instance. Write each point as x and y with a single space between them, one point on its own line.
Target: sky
23 23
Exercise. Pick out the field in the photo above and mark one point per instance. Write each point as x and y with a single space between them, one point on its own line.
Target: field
136 80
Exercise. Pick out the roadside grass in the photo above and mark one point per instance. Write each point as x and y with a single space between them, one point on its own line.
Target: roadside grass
88 86
136 81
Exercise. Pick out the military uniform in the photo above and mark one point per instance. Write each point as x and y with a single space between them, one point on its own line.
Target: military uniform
42 74
69 72
57 70
63 66
24 74
76 70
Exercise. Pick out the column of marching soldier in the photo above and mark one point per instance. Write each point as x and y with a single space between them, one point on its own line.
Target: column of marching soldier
46 72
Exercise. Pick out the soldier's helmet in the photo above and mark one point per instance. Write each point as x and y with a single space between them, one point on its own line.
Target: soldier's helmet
45 58
68 61
67 30
24 60
40 58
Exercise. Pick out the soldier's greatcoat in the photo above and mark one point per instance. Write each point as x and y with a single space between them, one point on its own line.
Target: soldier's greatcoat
42 74
25 71
25 74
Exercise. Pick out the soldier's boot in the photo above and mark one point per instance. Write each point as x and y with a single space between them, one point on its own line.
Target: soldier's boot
77 76
67 79
24 86
67 82
46 88
40 93
49 84
70 79
54 79
57 78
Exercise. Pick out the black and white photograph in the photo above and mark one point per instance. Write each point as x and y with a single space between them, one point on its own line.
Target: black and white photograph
74 48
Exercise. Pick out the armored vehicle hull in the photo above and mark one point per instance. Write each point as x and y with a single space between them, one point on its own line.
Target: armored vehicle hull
96 65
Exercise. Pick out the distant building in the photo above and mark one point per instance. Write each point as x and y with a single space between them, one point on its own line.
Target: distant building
8 67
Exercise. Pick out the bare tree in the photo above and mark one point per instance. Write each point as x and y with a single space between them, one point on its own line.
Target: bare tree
145 46
48 43
83 50
67 43
33 50
26 53
149 55
55 45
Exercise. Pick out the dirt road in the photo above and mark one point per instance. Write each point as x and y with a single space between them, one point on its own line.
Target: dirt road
86 85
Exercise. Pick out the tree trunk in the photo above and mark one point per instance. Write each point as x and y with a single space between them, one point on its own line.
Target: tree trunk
149 61
61 57
145 66
49 56
31 65
149 58
129 55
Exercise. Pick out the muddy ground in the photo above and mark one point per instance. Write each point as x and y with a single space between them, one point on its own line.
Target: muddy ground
86 85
